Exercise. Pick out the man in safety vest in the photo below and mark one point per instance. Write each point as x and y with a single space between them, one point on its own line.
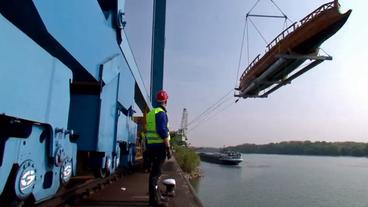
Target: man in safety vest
158 146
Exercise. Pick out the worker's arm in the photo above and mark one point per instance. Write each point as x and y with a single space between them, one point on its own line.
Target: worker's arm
161 127
163 131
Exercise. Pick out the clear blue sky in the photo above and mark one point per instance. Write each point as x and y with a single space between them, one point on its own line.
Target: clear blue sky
203 40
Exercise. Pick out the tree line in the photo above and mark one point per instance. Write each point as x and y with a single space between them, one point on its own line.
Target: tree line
357 149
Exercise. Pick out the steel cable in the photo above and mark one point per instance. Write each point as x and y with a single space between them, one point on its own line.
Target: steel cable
241 53
213 115
208 110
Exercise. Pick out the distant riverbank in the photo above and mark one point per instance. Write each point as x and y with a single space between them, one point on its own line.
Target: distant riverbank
356 149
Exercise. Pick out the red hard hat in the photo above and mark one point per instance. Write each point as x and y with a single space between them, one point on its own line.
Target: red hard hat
162 96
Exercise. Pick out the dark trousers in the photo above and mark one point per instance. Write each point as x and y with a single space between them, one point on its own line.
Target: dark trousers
157 157
146 162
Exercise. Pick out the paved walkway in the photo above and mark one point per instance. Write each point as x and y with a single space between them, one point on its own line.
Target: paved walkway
132 190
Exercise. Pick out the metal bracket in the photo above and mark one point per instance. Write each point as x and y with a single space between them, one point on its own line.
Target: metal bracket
267 16
316 60
304 57
295 75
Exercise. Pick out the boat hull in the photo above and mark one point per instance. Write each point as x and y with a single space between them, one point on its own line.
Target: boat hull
214 158
301 38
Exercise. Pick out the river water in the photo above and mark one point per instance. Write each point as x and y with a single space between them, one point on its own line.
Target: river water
285 181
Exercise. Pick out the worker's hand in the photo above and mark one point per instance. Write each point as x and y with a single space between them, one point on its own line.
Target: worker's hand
168 153
167 142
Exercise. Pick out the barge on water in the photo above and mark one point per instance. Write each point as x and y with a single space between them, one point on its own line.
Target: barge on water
225 158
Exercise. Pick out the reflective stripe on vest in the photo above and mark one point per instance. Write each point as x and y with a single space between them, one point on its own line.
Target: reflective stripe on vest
151 134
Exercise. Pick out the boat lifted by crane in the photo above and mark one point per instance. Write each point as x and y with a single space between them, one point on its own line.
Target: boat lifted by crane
289 50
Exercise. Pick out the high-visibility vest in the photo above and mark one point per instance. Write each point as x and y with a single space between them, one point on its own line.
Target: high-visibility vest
151 134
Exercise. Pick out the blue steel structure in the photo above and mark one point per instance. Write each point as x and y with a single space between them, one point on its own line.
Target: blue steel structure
69 84
158 47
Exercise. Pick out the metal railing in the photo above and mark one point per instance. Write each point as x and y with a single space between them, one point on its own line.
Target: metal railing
250 65
282 35
291 29
318 11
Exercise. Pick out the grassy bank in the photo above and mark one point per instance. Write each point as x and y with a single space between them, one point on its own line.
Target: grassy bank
187 159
